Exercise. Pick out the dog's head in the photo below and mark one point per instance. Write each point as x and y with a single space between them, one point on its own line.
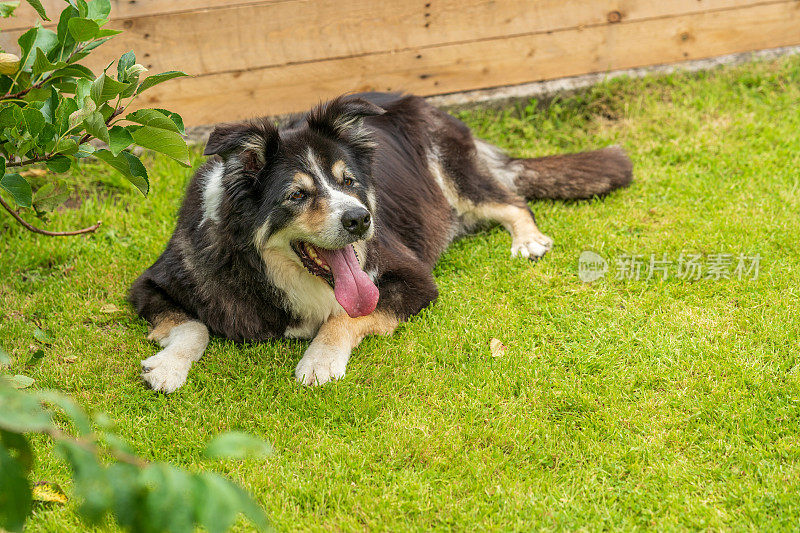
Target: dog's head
307 189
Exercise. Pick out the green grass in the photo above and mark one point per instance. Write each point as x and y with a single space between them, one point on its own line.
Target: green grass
618 404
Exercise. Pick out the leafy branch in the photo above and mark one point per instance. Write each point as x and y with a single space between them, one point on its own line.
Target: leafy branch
34 229
109 479
53 109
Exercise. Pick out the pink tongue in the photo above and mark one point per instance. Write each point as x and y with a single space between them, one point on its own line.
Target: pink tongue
352 287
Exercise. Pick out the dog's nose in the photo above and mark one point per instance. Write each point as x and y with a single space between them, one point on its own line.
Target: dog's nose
356 221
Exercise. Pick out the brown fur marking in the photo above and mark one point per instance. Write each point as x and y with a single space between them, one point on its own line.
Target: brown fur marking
164 323
516 220
341 330
314 217
338 170
304 181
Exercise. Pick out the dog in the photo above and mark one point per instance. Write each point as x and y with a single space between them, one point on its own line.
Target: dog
328 227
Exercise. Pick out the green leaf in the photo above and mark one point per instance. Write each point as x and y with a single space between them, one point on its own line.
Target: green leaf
36 358
166 142
134 71
36 95
64 111
138 172
165 503
66 146
7 8
236 445
83 90
42 337
107 32
90 480
15 493
89 47
19 189
99 10
46 41
10 116
71 409
50 195
119 139
42 65
155 79
95 125
25 42
217 501
18 443
59 164
37 5
85 150
126 495
127 60
72 71
153 117
105 88
34 120
83 29
5 359
17 381
81 6
176 118
49 106
63 34
21 412
129 166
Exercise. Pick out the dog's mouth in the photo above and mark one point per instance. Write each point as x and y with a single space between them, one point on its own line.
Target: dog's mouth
352 287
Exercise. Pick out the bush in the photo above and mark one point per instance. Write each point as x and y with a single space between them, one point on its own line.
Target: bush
108 478
52 107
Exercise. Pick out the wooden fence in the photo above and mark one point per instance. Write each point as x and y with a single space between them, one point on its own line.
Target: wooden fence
268 57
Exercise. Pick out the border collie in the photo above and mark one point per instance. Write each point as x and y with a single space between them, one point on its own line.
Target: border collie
328 228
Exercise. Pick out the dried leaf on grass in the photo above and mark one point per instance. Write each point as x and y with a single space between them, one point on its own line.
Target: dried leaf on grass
46 491
497 348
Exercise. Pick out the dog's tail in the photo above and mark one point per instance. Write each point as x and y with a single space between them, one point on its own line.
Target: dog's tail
571 176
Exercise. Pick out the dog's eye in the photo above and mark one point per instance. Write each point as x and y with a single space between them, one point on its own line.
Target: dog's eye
348 181
297 196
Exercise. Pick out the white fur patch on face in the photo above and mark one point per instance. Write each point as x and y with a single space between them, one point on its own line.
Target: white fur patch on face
212 192
309 296
339 202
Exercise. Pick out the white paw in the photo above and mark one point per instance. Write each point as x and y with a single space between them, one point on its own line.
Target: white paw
165 372
320 364
531 247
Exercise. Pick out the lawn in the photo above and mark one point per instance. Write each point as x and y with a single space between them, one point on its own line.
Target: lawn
622 403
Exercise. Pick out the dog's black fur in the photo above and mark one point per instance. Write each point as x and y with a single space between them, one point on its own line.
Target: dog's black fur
420 174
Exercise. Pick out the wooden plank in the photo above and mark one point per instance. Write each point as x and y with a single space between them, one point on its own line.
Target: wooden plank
264 35
481 64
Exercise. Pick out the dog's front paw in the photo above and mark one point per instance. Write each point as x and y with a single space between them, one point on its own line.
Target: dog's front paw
320 364
165 372
532 247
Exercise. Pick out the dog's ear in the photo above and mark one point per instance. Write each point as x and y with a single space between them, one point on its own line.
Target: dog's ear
253 143
343 118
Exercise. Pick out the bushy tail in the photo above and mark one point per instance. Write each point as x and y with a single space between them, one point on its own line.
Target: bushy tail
573 176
